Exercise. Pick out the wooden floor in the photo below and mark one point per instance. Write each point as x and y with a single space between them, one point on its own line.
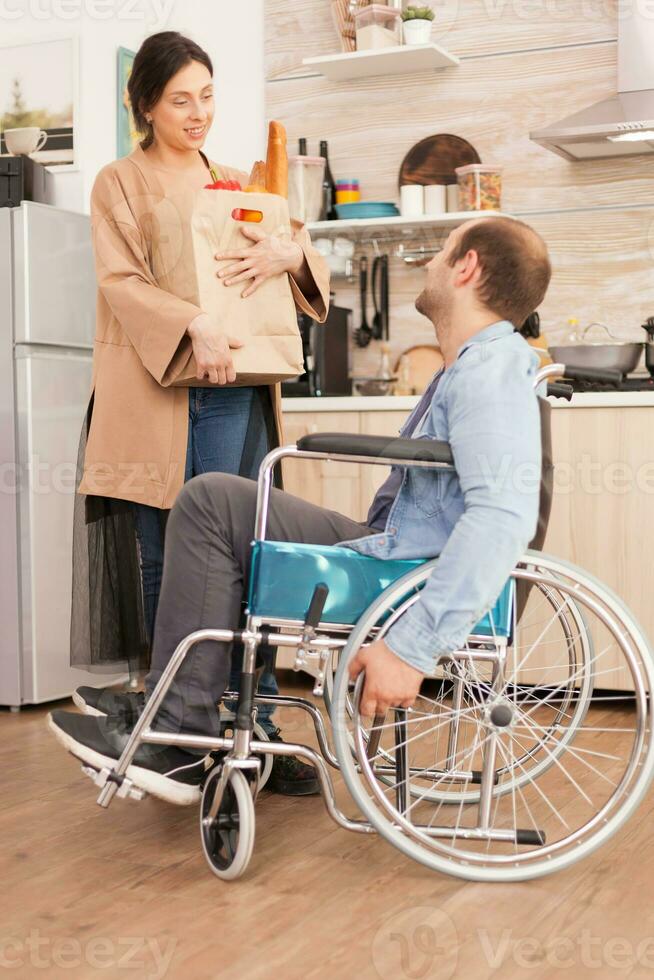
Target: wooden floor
126 892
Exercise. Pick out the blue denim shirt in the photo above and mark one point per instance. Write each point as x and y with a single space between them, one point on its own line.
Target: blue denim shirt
479 519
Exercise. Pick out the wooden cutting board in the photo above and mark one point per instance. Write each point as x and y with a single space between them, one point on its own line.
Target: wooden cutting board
424 361
434 160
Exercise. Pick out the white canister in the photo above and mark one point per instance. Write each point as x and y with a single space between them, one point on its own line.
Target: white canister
412 200
452 197
435 199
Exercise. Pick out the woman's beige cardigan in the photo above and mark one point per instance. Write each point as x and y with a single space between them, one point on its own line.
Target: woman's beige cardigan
136 445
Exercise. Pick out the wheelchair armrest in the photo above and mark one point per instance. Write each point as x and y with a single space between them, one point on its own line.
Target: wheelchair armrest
557 390
346 444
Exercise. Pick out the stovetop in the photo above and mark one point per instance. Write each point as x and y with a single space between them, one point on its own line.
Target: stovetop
641 382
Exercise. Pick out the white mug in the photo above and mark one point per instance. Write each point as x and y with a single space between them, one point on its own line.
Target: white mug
27 139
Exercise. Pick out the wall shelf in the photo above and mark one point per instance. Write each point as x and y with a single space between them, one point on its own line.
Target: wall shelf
402 60
398 227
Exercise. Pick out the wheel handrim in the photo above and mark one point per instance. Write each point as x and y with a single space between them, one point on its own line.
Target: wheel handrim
558 734
619 803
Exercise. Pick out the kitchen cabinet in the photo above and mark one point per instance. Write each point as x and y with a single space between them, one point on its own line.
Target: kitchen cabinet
345 487
328 483
602 502
604 483
371 477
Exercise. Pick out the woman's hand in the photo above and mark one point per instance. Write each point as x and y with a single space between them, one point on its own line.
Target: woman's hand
269 256
211 349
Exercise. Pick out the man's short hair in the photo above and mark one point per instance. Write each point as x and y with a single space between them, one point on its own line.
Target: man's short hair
515 266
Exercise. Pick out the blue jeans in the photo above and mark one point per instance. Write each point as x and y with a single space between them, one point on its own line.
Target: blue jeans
218 424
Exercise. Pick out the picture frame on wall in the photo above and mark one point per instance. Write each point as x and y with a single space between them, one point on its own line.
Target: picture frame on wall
39 87
126 135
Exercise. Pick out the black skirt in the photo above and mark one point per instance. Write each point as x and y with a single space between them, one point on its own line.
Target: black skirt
107 632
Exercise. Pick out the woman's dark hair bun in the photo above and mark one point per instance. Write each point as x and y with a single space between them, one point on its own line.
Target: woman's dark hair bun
160 57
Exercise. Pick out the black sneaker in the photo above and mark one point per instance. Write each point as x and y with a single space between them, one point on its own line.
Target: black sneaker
289 776
108 701
164 771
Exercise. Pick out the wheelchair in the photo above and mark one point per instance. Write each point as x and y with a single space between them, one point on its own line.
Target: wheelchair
516 760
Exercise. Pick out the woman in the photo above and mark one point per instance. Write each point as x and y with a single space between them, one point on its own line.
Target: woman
143 440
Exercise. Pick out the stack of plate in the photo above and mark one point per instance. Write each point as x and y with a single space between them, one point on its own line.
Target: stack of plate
367 209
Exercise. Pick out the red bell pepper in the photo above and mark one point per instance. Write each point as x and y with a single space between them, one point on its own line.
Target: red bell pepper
224 185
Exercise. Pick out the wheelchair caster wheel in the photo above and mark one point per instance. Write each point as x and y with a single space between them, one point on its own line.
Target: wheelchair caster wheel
260 734
228 839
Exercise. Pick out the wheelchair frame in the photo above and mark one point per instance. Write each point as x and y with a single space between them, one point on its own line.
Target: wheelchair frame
242 747
242 750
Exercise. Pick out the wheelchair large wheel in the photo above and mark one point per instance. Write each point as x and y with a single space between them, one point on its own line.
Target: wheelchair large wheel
556 814
228 838
559 624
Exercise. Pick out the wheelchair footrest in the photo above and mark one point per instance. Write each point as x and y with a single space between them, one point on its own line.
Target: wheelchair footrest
534 837
125 786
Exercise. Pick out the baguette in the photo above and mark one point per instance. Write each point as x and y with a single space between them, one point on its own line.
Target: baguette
277 160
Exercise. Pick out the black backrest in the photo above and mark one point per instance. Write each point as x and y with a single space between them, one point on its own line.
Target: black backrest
545 504
547 475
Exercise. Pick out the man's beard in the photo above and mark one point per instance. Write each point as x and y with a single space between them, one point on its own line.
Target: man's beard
436 305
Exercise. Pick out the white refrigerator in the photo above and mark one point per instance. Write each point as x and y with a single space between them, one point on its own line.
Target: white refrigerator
47 320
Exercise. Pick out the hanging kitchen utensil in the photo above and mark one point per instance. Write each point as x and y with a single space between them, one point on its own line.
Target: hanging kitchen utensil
418 256
530 330
363 335
531 326
385 298
377 320
648 327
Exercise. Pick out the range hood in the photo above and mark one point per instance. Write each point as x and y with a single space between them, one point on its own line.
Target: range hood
623 125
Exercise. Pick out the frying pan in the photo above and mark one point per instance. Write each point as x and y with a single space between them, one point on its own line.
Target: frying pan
618 355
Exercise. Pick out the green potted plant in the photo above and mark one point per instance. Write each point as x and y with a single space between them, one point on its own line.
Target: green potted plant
416 25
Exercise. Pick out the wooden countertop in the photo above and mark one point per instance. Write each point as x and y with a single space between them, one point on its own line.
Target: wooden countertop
404 403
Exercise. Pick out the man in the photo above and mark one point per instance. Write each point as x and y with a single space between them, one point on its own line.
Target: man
491 275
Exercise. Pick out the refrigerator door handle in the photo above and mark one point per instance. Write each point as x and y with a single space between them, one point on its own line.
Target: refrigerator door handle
22 349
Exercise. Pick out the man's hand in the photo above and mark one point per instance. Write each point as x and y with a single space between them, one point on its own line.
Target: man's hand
270 255
389 683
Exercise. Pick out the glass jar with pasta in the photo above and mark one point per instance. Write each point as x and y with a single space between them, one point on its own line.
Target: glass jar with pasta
480 187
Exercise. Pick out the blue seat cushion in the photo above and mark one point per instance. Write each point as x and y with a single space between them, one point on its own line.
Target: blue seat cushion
283 576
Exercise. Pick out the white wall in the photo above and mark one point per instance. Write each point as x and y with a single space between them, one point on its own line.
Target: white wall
232 34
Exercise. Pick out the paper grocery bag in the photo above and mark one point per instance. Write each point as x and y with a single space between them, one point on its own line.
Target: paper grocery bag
188 230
